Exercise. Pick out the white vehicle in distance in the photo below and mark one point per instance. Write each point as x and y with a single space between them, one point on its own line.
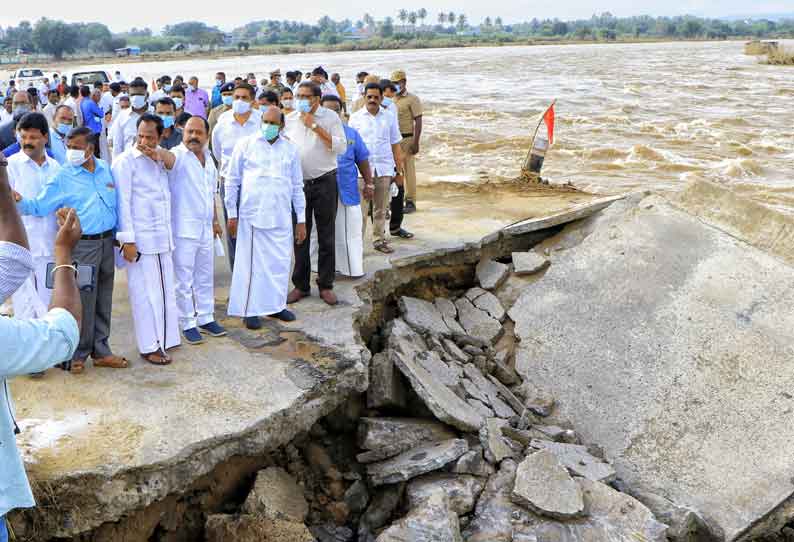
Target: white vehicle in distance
89 77
27 77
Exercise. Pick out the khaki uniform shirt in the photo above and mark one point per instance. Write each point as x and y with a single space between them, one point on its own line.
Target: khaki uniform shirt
358 104
409 107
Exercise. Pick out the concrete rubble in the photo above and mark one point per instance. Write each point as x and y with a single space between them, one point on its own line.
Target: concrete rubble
544 486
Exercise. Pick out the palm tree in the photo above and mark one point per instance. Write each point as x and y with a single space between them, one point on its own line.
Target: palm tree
451 18
422 14
487 23
412 19
368 20
498 23
442 18
403 16
461 21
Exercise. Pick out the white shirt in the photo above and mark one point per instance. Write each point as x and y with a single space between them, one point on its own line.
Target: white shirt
124 131
71 102
144 202
269 182
329 88
228 132
316 158
193 188
5 115
44 90
28 178
106 102
379 133
49 112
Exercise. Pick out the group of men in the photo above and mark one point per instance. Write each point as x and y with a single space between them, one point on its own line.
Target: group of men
283 159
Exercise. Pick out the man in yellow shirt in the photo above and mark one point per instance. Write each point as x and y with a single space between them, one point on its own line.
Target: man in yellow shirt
340 88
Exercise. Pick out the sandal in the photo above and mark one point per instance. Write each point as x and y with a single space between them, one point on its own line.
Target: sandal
112 362
77 366
383 246
157 358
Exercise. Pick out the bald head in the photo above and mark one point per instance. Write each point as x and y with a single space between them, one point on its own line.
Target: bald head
272 115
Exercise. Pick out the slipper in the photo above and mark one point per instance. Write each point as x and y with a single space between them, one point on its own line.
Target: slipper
384 247
112 362
157 358
77 366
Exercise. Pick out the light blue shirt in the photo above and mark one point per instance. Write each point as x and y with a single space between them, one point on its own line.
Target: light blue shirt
26 346
58 147
92 195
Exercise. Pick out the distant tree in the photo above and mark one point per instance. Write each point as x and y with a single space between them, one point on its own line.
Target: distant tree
20 36
559 28
55 37
451 18
403 16
188 29
487 23
442 18
422 14
691 28
412 18
498 23
461 22
359 24
368 20
387 28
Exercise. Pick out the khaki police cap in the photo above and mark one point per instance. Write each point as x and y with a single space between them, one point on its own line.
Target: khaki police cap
397 75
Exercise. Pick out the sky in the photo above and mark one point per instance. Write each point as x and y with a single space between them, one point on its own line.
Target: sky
155 14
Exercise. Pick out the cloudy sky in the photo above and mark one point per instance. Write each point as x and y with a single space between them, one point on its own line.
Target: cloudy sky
155 14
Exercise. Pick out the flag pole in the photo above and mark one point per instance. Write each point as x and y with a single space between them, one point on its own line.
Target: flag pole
534 135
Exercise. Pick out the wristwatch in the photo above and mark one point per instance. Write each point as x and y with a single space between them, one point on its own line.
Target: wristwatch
314 125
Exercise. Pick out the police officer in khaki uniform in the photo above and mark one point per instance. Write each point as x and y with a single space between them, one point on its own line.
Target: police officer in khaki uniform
227 96
409 109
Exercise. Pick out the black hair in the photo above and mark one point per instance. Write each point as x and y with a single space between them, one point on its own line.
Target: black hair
182 118
206 123
138 83
85 91
34 121
81 131
320 71
61 107
55 90
164 78
362 74
74 91
316 91
115 87
148 117
33 91
165 101
97 84
285 90
270 96
178 88
331 98
290 75
386 83
375 86
249 88
221 73
12 83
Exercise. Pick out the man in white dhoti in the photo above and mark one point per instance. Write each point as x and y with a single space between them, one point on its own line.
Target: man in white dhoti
145 234
349 238
195 223
28 172
266 180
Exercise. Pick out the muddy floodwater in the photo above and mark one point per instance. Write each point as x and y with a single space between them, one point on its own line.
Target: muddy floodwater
629 116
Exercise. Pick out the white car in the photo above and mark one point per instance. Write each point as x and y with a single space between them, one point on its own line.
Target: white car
28 77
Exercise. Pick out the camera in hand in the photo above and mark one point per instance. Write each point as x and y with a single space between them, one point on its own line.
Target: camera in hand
86 277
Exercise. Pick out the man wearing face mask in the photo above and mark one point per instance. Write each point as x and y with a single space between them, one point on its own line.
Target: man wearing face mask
163 88
166 110
197 102
410 117
28 346
287 101
220 80
227 97
52 103
145 233
178 95
20 106
234 125
85 184
28 172
61 125
264 187
124 128
319 135
92 114
195 224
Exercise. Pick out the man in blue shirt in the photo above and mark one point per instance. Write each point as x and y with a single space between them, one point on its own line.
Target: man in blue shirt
350 224
86 184
217 99
28 346
62 124
92 114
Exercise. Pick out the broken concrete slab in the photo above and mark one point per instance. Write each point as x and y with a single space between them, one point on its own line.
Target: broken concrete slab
490 304
455 352
482 383
461 491
423 316
543 485
536 399
503 371
416 461
478 323
578 460
473 391
386 387
276 495
508 396
376 433
484 410
491 274
683 524
224 528
439 370
433 521
577 212
449 314
493 515
529 263
473 462
649 275
494 443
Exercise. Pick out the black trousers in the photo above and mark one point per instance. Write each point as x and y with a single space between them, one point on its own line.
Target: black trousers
396 207
322 199
97 303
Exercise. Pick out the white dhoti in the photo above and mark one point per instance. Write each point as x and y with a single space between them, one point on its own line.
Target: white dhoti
32 299
349 240
153 301
104 150
261 274
194 265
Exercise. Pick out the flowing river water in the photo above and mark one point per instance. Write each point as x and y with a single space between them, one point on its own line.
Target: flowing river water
629 116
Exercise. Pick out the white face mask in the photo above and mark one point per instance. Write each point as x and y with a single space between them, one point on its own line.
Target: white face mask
287 104
240 107
75 157
138 101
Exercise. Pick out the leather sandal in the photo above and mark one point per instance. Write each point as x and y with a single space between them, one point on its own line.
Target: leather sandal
157 358
112 362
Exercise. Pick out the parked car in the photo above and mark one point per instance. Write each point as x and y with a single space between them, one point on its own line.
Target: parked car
89 77
28 77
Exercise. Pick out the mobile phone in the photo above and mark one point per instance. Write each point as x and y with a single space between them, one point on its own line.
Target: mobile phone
86 277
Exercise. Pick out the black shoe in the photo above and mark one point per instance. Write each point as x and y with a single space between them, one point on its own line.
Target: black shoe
403 234
252 322
284 316
410 207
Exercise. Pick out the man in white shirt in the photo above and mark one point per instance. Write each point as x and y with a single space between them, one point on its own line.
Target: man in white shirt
5 111
320 137
28 172
320 78
163 88
234 125
195 222
43 91
125 128
145 234
71 101
266 181
52 105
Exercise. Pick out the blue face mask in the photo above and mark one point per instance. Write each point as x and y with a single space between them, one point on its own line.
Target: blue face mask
167 88
218 83
168 120
227 100
386 101
270 131
63 129
178 102
304 105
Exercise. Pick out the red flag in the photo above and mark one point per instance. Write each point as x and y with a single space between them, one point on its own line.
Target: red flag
548 118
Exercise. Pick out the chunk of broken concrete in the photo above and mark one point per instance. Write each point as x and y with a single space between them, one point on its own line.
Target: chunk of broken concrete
276 495
440 371
224 528
442 401
423 316
502 409
478 323
386 388
455 352
380 509
376 433
491 274
493 516
473 462
528 263
507 395
484 410
416 461
578 460
503 371
494 443
535 399
544 486
434 521
461 491
490 304
684 524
